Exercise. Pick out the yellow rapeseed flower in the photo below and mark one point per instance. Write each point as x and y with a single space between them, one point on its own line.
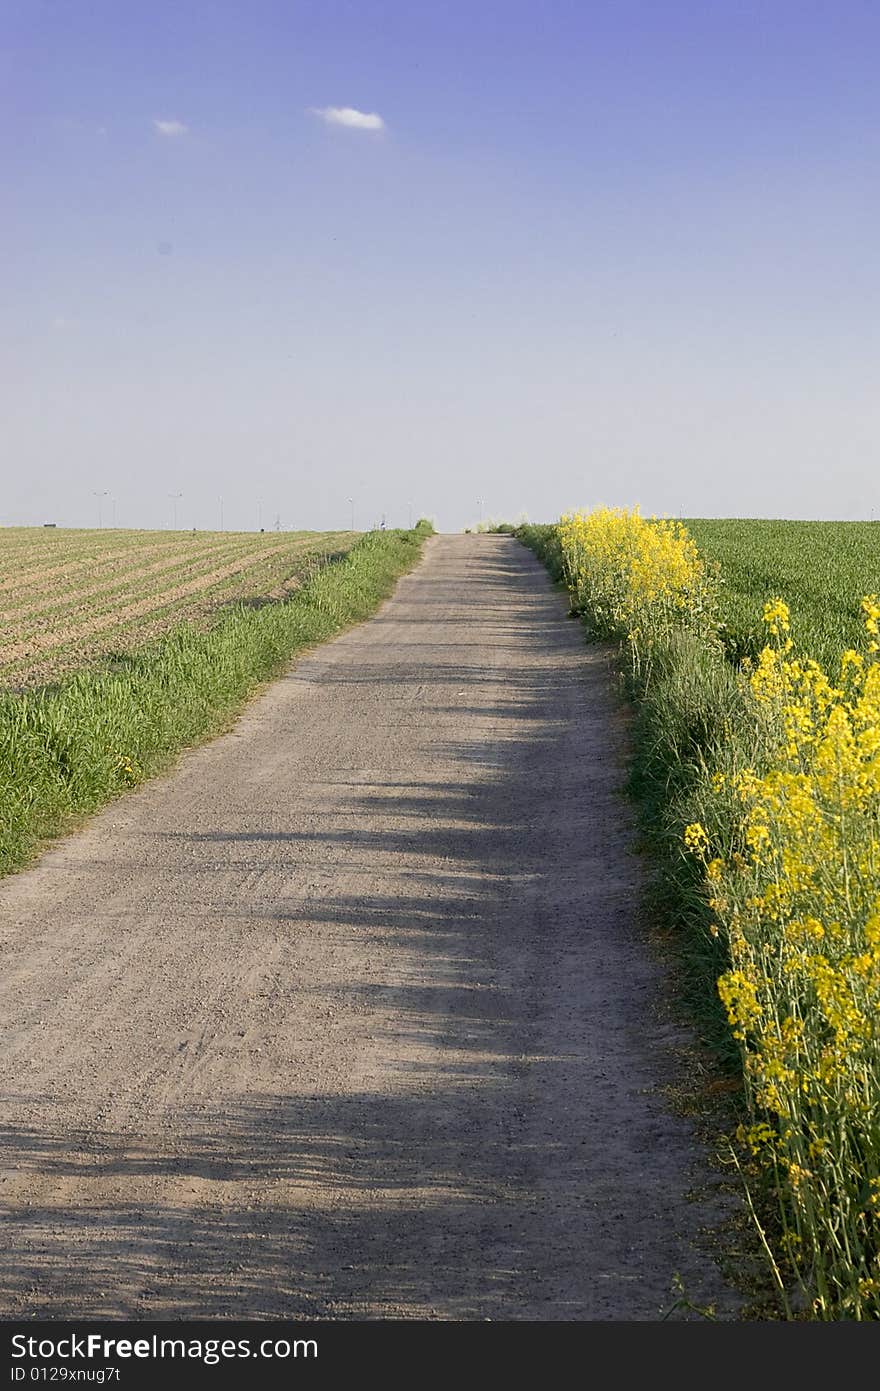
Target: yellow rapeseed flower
696 839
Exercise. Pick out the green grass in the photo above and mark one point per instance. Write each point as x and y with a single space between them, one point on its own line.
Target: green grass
820 569
692 718
543 539
67 749
682 719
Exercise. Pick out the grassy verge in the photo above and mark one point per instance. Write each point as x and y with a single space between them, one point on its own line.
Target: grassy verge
683 702
759 781
67 749
686 706
544 541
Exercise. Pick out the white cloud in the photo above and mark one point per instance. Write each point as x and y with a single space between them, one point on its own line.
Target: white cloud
170 128
349 116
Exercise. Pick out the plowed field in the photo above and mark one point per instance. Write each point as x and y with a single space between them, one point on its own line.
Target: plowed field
71 597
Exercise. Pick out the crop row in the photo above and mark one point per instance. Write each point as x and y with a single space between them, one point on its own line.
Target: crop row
125 582
28 553
79 620
822 569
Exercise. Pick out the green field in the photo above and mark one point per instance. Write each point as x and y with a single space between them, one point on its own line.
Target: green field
820 569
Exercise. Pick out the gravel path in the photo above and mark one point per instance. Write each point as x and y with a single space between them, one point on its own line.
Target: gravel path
352 1015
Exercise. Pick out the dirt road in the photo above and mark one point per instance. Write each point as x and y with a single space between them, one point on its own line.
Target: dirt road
351 1015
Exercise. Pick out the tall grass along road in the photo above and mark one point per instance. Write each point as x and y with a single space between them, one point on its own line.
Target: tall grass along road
351 1015
758 769
111 721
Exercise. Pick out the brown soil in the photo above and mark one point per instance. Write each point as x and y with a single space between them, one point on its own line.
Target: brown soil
125 578
78 626
38 575
352 1015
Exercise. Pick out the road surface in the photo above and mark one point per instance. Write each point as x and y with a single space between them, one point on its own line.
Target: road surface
352 1015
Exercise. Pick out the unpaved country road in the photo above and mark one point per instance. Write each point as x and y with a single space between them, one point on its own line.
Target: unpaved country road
351 1015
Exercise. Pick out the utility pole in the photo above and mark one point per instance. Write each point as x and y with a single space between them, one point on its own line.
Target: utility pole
99 495
220 500
351 505
174 500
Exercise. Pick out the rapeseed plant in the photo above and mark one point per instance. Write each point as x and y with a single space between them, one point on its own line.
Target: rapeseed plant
635 578
800 907
787 833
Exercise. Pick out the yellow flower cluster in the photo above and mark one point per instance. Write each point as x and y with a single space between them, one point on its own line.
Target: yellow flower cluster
789 842
800 904
127 769
636 578
695 838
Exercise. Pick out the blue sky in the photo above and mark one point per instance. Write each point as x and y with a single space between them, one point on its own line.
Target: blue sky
599 252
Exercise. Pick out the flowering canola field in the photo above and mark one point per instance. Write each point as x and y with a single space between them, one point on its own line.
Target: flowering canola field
782 822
